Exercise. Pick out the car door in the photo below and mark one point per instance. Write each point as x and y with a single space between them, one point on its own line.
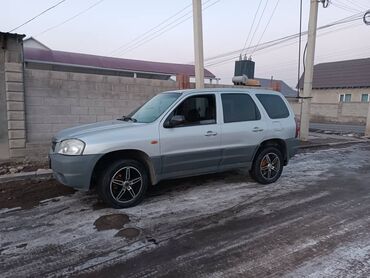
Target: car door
282 123
242 129
192 146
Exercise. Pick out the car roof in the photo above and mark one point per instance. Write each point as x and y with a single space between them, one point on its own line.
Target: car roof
225 90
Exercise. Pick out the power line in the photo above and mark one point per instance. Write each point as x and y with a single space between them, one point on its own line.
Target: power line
258 24
278 41
70 18
150 30
344 7
272 46
165 29
289 37
162 30
331 54
250 29
149 33
38 15
289 65
267 25
319 35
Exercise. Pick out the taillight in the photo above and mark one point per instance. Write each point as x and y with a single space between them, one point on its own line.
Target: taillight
297 127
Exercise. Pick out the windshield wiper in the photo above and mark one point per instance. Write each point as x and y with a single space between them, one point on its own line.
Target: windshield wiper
126 119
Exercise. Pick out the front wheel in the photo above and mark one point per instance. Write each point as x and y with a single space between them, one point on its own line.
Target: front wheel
123 183
268 165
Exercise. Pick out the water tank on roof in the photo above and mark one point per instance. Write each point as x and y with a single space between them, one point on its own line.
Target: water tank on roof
240 80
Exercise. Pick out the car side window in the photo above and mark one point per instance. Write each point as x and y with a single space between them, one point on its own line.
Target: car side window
239 108
274 106
196 110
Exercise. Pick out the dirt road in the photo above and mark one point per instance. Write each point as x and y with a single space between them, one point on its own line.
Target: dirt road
314 222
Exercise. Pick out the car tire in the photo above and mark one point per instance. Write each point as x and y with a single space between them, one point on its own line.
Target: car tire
123 183
268 165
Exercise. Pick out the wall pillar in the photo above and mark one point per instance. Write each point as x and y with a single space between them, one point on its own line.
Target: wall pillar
183 81
13 89
367 131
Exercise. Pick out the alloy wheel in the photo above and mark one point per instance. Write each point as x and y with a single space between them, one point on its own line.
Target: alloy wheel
126 184
270 166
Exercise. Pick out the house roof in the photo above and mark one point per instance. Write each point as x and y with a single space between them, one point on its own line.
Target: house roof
32 42
285 89
342 74
87 60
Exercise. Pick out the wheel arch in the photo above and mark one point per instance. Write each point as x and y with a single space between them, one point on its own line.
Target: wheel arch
274 142
134 154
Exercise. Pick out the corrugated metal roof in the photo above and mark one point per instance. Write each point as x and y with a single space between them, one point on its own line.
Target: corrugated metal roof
342 74
78 59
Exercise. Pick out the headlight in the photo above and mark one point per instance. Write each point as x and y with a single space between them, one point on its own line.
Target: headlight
71 147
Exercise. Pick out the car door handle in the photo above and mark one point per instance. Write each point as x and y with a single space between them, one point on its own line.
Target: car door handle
211 133
257 129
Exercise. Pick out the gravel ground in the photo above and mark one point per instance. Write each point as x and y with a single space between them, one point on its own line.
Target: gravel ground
314 222
22 166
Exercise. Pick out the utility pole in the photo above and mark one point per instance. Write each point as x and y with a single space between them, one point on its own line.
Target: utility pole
198 44
367 130
308 74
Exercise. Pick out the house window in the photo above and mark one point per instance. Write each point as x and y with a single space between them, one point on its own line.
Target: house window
365 98
347 97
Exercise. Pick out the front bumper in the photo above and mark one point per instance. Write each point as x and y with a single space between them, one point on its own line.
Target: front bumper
73 171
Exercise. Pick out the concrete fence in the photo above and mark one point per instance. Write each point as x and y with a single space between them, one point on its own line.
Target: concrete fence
57 100
345 112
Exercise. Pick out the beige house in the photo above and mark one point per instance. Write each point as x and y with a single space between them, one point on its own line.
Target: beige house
342 81
341 95
341 92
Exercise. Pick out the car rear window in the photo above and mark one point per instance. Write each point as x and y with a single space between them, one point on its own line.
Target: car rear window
239 108
274 106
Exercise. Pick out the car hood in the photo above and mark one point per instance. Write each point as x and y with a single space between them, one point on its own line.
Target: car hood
90 129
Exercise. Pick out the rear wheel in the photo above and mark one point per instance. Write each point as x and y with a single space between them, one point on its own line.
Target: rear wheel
123 183
268 165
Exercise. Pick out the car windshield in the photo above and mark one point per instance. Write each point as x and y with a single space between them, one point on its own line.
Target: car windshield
155 107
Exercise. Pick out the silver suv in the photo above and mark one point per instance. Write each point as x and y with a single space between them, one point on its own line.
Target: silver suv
178 134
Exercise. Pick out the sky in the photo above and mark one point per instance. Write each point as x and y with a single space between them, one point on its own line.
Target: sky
114 27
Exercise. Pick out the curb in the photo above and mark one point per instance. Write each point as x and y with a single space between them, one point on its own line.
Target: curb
333 144
39 174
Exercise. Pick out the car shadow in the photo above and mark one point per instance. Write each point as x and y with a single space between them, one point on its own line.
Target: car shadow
181 184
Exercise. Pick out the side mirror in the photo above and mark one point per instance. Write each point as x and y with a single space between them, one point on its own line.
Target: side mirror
176 120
